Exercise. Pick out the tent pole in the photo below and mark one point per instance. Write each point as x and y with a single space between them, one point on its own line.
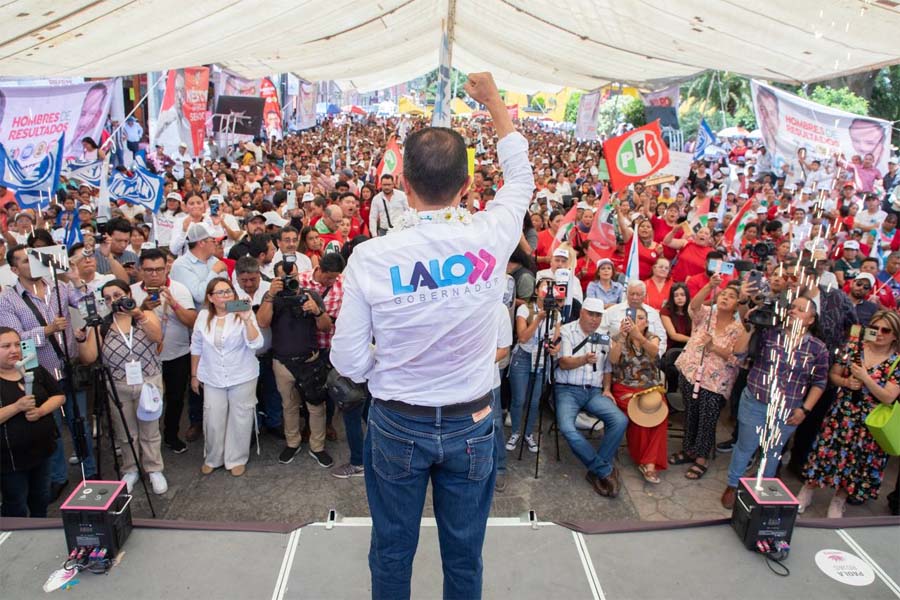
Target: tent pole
721 100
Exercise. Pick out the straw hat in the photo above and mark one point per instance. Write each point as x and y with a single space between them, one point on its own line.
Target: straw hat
648 408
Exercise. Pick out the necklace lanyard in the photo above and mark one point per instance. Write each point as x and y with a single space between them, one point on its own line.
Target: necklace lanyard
129 340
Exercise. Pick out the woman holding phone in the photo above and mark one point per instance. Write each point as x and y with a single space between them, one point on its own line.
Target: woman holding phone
223 360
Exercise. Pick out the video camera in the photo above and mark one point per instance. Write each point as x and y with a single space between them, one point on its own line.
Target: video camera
762 250
554 298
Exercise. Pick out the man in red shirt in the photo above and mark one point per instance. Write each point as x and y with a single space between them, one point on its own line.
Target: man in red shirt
350 209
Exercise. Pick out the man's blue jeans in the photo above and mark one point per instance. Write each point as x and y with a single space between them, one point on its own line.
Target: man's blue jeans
59 463
499 436
570 399
752 414
353 420
519 373
401 454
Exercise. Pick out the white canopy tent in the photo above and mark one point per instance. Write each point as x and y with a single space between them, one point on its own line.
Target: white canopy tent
527 44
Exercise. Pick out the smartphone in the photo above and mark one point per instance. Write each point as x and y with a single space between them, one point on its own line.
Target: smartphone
234 306
29 352
755 278
631 313
153 294
101 225
291 199
721 267
870 334
213 208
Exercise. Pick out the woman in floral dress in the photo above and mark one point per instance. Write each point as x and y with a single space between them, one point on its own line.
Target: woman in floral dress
845 456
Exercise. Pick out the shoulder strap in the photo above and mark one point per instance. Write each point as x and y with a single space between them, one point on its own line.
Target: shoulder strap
387 213
893 367
43 322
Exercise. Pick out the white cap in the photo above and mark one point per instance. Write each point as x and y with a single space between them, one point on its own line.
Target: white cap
544 274
604 261
592 305
198 232
150 406
561 252
851 245
868 276
173 196
273 218
308 197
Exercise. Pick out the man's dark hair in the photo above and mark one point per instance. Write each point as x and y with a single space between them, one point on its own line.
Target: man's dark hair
332 262
279 198
435 164
11 253
118 224
342 184
151 254
75 248
864 261
246 264
40 238
287 229
387 176
258 244
772 226
348 194
320 201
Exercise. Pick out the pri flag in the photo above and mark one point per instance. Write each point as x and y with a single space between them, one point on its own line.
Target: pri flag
144 188
705 139
635 155
588 112
565 227
35 184
602 236
391 163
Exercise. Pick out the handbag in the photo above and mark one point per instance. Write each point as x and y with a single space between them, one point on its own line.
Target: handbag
884 422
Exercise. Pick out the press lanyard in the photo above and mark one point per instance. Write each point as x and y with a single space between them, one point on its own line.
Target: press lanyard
129 340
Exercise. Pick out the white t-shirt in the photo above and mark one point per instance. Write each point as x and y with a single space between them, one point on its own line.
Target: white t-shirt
504 338
427 293
176 335
866 221
572 335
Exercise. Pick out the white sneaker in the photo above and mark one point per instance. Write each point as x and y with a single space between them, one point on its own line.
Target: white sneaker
513 442
158 483
73 460
130 478
532 443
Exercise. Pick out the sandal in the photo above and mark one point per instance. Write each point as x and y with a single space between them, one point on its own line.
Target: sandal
696 471
680 458
649 473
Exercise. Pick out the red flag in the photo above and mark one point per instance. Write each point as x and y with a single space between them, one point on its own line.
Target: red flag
391 163
602 236
737 225
635 155
567 224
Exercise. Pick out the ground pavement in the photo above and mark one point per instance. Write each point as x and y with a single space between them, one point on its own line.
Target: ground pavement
304 492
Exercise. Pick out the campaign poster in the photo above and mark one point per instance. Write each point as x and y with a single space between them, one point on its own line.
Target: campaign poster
789 123
194 107
307 112
271 109
588 113
32 119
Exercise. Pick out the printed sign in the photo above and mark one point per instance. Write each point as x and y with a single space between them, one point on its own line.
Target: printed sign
845 567
635 155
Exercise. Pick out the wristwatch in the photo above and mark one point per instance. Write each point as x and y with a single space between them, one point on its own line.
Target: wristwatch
804 409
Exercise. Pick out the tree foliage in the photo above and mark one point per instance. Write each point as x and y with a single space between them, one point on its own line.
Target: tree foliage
885 101
572 107
841 99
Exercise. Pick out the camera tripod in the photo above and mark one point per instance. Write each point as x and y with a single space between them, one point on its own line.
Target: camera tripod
543 358
104 387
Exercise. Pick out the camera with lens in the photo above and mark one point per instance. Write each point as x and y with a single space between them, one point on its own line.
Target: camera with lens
291 286
762 250
124 305
766 315
89 311
599 339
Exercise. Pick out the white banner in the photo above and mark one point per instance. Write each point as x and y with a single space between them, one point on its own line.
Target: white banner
306 113
789 123
32 119
588 113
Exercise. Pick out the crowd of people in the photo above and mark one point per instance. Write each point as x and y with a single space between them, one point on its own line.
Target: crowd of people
227 299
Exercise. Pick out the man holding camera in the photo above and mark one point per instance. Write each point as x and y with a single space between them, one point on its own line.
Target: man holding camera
583 382
173 305
427 293
296 315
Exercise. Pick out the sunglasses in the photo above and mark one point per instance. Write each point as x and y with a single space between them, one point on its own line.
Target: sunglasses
863 284
884 330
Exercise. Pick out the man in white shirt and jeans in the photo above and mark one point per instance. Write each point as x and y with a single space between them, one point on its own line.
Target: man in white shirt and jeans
427 295
387 207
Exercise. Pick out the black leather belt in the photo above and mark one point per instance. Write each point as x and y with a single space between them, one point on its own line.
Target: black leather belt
450 410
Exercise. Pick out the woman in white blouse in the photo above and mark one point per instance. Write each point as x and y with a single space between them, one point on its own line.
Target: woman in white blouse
223 360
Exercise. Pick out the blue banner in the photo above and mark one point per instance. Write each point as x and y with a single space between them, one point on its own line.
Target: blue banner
144 188
85 171
33 185
705 139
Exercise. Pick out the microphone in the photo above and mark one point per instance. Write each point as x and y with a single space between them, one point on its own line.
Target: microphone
594 351
29 383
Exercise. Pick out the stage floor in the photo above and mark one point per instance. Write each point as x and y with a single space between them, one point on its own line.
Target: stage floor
523 561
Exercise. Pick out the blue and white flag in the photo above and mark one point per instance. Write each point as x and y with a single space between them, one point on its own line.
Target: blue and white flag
705 139
441 115
73 234
144 188
633 267
33 185
85 171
